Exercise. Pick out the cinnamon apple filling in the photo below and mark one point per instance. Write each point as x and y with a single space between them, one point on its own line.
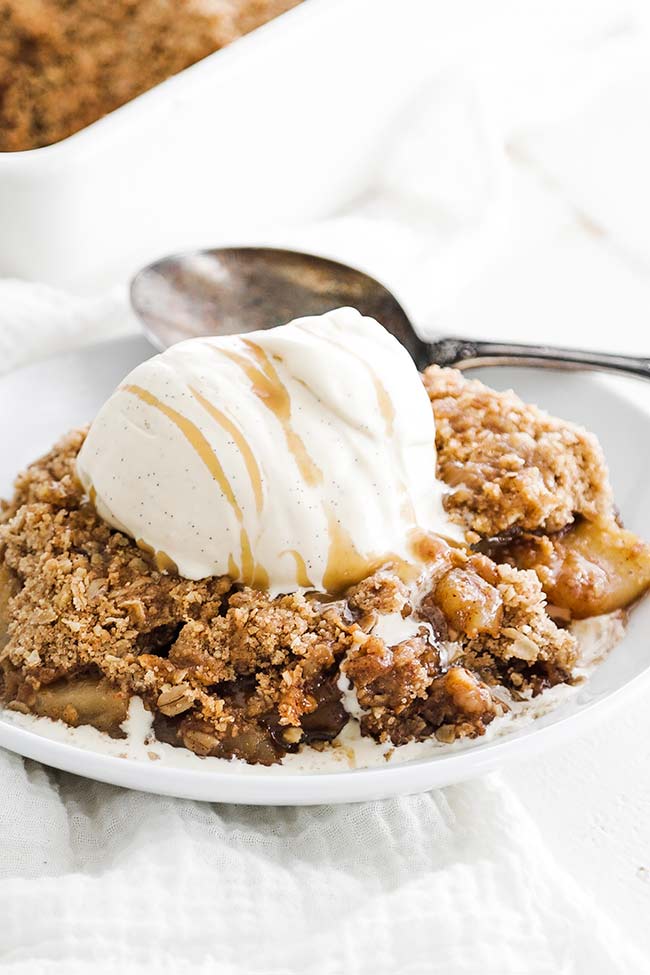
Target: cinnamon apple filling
589 569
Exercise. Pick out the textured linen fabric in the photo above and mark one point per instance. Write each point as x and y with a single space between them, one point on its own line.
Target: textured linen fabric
38 321
95 878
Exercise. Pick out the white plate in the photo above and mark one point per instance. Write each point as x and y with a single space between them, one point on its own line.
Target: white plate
41 402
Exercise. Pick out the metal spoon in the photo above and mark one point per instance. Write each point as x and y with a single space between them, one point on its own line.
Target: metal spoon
231 290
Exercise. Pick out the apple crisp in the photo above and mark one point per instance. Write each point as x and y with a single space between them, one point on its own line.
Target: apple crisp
87 620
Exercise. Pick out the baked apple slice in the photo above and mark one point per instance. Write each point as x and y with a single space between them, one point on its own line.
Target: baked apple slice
594 567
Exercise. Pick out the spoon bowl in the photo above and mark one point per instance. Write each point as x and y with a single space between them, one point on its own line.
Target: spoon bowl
231 290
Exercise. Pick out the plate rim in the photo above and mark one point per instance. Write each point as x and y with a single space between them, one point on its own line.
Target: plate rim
293 788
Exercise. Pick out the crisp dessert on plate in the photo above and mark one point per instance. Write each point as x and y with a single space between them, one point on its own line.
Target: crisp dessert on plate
275 539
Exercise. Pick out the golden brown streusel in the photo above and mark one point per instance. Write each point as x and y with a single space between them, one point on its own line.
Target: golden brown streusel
510 465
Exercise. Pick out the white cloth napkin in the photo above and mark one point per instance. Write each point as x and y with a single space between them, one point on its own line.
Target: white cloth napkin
457 882
97 879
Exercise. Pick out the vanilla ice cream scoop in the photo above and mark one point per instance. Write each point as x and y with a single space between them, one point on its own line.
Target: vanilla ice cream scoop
294 458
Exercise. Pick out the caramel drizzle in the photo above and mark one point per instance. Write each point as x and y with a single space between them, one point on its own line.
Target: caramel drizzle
386 409
196 440
242 445
271 391
251 574
384 401
302 578
161 560
346 566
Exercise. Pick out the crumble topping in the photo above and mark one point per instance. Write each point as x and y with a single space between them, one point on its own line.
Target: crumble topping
228 671
510 465
492 624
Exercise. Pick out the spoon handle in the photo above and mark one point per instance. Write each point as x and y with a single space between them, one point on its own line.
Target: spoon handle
466 353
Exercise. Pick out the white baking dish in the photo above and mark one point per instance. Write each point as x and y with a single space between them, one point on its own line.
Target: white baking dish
285 124
279 126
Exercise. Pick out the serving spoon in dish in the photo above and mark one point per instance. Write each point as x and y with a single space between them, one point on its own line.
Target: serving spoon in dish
230 290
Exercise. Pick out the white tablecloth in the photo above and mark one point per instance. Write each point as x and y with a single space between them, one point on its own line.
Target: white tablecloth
531 227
